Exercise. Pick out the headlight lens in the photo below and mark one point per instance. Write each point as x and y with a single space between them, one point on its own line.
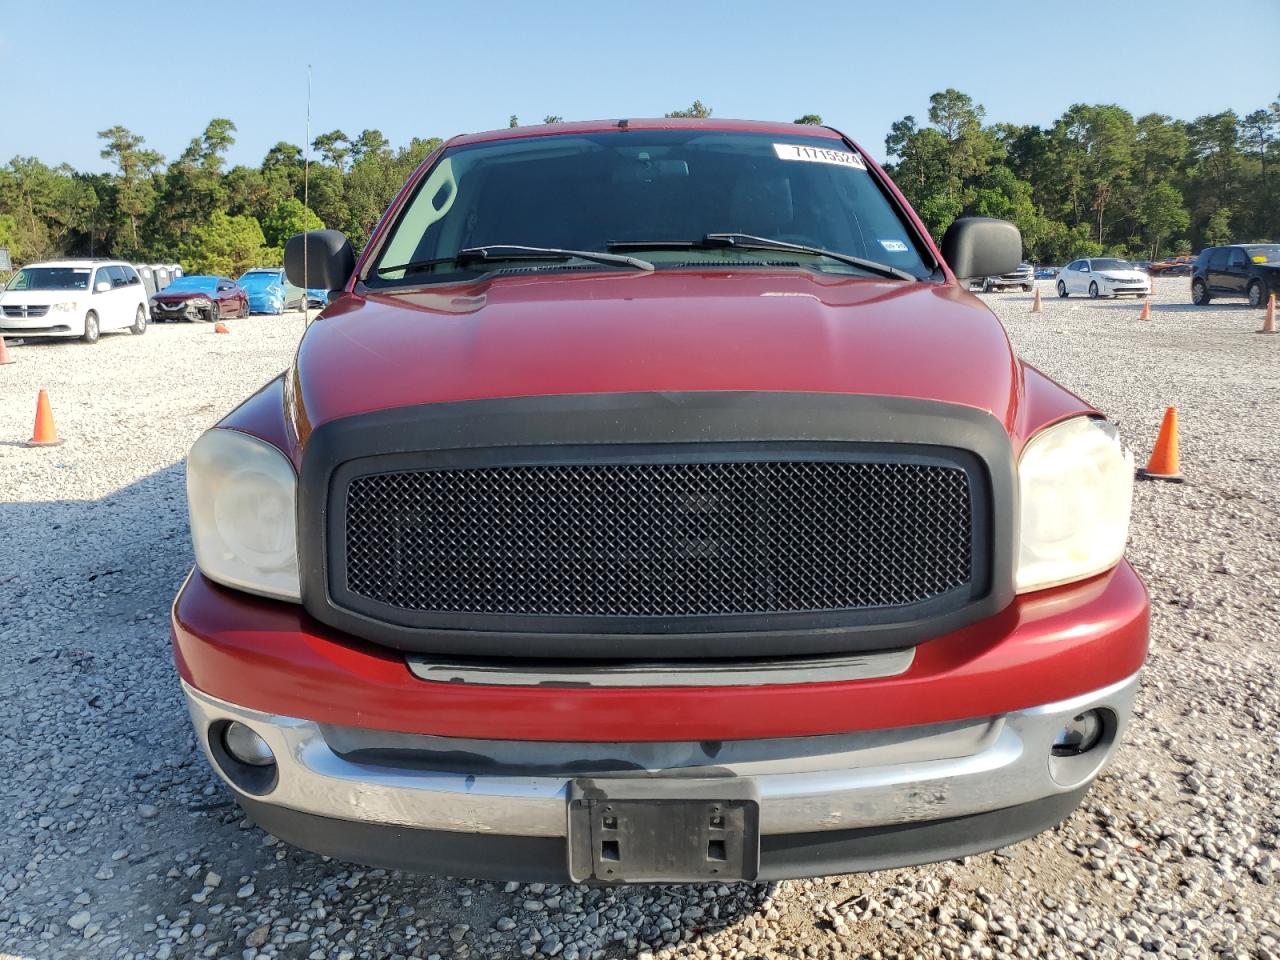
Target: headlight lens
67 306
199 302
241 494
1075 481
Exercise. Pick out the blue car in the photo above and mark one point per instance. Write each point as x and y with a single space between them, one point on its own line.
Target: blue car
269 291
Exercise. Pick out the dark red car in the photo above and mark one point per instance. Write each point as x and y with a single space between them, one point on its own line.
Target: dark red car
200 298
653 502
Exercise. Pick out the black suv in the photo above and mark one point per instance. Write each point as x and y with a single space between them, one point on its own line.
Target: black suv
1250 270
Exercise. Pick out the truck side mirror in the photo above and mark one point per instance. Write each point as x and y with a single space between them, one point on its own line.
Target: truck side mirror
982 247
328 257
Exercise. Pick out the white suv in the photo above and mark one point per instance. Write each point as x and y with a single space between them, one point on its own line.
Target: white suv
73 298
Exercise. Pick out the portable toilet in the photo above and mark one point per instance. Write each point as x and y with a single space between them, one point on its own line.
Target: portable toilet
162 277
175 270
148 278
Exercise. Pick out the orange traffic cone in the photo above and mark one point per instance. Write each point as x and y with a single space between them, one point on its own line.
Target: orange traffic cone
220 327
1268 324
1163 464
1146 311
1035 304
45 433
4 353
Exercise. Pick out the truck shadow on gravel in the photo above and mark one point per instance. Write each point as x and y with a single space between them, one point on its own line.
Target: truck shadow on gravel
131 843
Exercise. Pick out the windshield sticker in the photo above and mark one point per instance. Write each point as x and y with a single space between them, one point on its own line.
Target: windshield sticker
840 158
894 246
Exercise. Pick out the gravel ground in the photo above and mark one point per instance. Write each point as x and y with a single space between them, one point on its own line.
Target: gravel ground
119 842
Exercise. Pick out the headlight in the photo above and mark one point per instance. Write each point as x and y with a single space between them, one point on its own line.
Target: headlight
1075 482
241 493
67 306
199 302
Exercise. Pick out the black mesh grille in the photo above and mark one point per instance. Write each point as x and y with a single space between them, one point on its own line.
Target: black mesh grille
659 539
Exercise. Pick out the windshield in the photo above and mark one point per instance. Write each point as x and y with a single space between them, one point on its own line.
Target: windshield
50 278
192 285
259 280
1264 253
1112 265
653 194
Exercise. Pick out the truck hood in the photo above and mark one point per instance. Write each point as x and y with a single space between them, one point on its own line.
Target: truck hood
671 330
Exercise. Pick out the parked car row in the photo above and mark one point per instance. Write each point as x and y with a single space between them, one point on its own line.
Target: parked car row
1250 271
1097 277
82 299
210 298
1171 266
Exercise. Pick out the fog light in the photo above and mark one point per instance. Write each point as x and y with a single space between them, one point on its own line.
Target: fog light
246 746
1080 735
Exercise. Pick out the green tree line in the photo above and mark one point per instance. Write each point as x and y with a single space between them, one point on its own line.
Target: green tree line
1096 181
196 209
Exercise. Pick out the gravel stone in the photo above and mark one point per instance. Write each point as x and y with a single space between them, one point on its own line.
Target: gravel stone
258 936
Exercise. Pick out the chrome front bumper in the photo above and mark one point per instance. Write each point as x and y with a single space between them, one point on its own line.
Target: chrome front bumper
878 778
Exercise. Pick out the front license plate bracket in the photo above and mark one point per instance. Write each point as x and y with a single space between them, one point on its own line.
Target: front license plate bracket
633 831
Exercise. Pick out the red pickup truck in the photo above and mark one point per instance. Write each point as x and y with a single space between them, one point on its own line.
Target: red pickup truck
652 502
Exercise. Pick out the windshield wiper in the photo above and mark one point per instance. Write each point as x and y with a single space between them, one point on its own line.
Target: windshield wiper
747 241
492 253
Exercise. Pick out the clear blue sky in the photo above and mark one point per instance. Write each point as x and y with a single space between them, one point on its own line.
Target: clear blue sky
163 69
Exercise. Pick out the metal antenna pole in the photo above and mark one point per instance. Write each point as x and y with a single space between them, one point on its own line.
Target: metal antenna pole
306 206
